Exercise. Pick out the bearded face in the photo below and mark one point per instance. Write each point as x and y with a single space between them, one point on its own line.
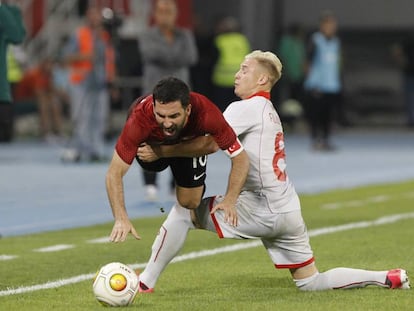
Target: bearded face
171 117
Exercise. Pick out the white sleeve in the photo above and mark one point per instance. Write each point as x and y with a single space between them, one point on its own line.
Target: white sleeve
238 116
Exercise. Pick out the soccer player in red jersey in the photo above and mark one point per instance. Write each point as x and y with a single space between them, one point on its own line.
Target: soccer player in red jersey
170 115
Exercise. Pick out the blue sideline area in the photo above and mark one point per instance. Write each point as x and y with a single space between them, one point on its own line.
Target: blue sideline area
39 193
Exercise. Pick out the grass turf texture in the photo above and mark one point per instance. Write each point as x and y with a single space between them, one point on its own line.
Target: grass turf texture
241 280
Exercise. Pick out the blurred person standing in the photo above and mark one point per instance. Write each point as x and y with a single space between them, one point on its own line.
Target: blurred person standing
202 71
12 31
292 52
38 83
323 85
91 63
60 73
61 84
166 50
16 65
232 46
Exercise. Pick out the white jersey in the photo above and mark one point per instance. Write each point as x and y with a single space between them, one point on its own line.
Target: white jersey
259 129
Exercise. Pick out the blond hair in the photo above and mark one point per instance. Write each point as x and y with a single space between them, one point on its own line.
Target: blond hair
270 62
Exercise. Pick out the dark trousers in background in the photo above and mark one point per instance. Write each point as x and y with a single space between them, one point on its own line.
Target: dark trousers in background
6 121
150 178
409 98
320 109
151 169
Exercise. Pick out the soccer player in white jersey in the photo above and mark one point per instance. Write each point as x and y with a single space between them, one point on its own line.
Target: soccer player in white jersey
268 207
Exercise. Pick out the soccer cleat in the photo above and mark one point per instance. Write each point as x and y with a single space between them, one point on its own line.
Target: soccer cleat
397 278
142 288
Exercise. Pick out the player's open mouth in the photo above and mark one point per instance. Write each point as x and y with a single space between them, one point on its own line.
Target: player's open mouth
169 131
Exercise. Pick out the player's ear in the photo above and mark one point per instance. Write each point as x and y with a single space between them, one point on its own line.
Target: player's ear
188 109
263 79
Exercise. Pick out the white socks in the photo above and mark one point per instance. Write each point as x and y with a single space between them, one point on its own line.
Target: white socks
342 278
167 244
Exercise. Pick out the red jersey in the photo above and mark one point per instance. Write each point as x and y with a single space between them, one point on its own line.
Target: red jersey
205 118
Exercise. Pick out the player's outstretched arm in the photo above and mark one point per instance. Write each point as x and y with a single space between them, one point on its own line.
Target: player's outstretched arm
196 147
115 190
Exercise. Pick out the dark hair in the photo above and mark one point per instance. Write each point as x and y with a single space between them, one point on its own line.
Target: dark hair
171 89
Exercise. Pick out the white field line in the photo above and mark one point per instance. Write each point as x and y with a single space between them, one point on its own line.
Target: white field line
211 252
7 257
370 200
54 248
357 203
101 240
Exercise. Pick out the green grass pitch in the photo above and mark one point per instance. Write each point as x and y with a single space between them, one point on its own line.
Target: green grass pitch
239 280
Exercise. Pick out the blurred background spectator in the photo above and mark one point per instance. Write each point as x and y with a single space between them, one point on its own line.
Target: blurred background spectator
166 50
202 71
91 61
232 46
292 52
293 55
60 76
373 87
12 31
16 65
323 83
38 85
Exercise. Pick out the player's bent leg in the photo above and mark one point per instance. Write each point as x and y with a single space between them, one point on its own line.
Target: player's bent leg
189 197
201 216
189 175
347 278
248 226
167 244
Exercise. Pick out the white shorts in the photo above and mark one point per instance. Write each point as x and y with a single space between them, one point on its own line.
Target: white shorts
284 235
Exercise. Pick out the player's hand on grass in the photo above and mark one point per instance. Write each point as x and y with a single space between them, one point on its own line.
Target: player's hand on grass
147 153
230 212
121 229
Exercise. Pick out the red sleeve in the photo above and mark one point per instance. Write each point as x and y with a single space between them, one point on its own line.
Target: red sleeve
215 124
136 131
